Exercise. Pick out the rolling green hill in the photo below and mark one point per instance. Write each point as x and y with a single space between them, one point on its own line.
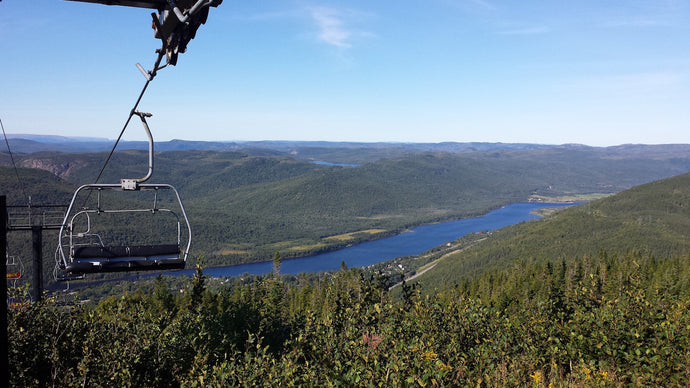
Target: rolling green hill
528 309
653 218
593 295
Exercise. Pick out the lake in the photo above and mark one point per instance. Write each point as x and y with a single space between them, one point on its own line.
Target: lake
412 242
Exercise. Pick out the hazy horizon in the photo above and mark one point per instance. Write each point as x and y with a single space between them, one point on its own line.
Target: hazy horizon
37 137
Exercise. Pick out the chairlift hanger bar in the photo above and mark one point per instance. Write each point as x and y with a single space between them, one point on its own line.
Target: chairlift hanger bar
175 28
132 184
174 33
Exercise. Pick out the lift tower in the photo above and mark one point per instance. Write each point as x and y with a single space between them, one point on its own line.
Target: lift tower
35 219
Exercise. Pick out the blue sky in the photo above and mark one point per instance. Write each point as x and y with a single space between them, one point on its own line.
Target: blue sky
589 71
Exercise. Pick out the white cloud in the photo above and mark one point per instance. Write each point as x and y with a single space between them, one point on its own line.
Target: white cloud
331 27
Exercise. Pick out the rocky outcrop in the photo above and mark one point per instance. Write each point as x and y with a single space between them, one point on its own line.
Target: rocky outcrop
62 170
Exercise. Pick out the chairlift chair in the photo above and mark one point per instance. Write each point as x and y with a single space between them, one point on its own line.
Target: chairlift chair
15 269
126 226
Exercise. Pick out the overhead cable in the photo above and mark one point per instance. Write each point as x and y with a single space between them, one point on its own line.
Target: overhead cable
16 171
150 77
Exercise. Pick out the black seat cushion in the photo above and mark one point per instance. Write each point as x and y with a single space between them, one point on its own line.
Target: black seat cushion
112 252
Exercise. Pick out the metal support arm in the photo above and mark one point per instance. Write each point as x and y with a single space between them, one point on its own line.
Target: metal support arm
132 184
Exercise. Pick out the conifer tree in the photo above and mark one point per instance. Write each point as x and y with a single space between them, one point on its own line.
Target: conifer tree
277 260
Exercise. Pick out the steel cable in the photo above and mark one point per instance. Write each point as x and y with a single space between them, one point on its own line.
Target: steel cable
16 171
152 74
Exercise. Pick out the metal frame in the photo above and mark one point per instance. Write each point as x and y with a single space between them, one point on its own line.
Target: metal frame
69 238
13 262
137 257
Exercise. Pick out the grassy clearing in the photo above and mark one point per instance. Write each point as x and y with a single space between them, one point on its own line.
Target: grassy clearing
433 263
227 252
569 198
288 249
547 211
351 236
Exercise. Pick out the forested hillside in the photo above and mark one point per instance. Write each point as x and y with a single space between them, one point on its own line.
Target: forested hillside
594 295
246 205
653 218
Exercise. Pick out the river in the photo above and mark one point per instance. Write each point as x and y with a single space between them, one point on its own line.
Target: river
412 242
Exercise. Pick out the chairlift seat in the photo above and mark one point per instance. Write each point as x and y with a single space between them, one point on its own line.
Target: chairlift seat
113 252
76 254
91 259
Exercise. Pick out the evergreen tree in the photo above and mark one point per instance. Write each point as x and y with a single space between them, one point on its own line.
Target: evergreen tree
277 260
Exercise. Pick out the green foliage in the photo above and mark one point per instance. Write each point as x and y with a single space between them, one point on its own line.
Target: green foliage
594 295
198 288
653 218
604 320
43 187
277 260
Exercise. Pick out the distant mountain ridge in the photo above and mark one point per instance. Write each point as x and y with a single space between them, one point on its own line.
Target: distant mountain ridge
27 144
336 152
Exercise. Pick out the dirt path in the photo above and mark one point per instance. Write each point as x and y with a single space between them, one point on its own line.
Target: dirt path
414 276
420 273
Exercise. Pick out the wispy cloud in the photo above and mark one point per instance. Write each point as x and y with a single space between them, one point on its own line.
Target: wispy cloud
331 27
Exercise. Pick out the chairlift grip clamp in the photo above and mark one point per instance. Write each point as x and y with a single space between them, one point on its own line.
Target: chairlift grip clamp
129 184
142 114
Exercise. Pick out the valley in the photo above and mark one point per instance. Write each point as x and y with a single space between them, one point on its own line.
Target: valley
245 205
594 294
